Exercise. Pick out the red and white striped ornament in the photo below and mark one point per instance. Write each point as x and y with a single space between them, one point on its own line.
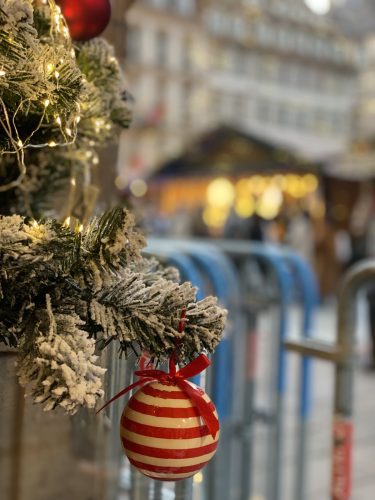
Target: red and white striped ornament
163 434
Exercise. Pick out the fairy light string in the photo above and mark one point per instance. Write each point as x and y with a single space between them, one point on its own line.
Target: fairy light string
59 102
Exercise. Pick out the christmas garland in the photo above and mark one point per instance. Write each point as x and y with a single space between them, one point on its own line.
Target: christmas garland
64 292
68 290
59 102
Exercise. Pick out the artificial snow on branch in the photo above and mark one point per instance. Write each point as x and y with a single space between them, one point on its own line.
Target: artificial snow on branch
60 369
62 291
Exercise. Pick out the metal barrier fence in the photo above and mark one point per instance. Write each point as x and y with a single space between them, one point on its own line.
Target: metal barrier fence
222 269
343 355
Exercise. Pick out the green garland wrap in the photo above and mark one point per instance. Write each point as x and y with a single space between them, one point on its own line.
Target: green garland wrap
67 293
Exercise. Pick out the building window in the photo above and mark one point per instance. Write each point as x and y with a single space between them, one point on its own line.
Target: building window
186 7
240 107
253 66
282 116
264 111
186 105
302 119
239 60
187 55
161 49
239 28
215 21
159 4
133 43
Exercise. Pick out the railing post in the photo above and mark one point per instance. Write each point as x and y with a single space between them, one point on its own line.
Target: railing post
358 277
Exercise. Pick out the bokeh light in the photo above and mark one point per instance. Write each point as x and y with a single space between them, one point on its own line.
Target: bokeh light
245 206
270 203
138 188
220 193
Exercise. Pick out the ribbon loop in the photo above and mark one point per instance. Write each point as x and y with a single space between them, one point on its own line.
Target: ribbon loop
178 378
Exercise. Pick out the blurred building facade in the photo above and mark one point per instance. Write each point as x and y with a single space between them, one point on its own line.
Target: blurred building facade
285 74
268 67
366 105
167 59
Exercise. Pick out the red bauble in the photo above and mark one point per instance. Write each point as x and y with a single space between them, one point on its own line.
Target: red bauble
163 435
86 18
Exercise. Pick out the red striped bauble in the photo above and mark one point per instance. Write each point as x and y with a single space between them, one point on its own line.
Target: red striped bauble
163 435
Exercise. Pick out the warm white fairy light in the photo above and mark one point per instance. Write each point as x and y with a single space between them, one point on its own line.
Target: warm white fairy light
67 222
320 7
73 181
55 65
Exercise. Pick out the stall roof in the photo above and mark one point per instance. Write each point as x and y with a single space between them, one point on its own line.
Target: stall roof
229 151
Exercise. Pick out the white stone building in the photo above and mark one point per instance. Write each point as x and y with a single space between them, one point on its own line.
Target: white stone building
269 67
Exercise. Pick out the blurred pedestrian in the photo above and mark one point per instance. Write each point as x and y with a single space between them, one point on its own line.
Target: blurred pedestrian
199 228
300 235
233 228
255 228
326 264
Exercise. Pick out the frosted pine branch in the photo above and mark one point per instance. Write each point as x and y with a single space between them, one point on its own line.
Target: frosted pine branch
61 369
100 290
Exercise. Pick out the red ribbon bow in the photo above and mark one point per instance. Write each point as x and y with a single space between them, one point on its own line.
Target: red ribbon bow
178 378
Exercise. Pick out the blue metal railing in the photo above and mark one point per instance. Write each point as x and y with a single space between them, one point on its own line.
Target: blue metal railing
218 268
